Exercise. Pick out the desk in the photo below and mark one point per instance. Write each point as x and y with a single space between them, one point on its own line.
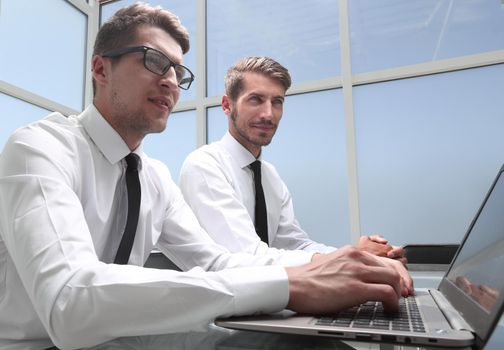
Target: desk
424 278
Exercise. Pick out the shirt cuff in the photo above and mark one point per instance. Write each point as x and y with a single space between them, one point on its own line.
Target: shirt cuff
258 290
296 257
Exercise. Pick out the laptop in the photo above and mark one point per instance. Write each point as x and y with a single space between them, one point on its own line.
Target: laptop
463 311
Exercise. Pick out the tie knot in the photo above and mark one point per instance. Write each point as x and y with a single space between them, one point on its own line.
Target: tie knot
256 166
133 161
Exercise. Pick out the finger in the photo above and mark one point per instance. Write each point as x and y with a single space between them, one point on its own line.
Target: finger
407 287
383 293
379 249
396 252
383 276
463 284
490 291
403 261
378 239
406 283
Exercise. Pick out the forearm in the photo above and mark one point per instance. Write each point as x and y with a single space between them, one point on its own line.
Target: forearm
149 301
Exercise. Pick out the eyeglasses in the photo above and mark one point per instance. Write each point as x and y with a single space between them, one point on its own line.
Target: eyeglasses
157 62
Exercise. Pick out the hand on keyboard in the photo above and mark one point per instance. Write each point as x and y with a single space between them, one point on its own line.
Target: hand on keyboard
345 278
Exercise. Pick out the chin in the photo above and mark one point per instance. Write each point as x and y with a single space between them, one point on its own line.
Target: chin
158 127
264 139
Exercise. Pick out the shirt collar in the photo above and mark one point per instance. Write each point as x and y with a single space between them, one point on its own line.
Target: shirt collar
106 139
239 153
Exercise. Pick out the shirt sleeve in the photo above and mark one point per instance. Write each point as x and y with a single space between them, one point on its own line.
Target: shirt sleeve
220 212
82 301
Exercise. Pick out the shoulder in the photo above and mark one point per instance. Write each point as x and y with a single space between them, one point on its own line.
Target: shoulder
55 129
270 169
156 169
210 155
50 127
53 135
49 146
271 175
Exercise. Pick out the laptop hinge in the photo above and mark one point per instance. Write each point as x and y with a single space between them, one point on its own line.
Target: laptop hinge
452 315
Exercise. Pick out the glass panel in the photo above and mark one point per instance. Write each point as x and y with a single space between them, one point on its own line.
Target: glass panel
309 152
217 124
17 113
302 35
428 149
44 49
186 11
391 33
175 143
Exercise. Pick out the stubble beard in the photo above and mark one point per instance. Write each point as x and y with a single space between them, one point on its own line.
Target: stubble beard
259 143
133 121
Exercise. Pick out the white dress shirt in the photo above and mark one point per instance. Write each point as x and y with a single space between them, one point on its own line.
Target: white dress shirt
218 185
62 215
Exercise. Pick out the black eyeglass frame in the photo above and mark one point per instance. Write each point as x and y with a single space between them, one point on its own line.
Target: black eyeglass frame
125 50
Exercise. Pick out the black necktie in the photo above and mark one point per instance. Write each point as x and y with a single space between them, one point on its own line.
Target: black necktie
134 195
261 219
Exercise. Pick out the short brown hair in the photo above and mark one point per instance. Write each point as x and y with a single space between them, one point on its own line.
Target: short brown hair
233 81
121 29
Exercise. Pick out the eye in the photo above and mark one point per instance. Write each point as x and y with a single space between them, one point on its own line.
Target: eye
158 60
255 99
278 102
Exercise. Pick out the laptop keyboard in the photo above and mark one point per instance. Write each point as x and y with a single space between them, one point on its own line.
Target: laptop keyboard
371 315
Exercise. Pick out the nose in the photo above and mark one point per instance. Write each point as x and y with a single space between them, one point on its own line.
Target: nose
267 111
169 79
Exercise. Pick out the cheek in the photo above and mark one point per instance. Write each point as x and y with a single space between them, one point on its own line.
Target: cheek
126 86
176 95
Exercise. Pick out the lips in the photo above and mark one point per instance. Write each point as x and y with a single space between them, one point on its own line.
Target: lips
162 101
264 127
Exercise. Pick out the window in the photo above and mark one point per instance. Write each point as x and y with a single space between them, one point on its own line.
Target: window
302 35
172 145
428 149
392 33
44 49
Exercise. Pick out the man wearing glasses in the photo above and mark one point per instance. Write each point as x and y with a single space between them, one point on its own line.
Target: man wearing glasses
218 181
69 188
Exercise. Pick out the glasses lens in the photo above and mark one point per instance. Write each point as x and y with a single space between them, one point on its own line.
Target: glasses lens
156 62
184 77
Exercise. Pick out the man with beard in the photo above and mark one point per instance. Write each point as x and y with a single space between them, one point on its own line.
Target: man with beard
218 180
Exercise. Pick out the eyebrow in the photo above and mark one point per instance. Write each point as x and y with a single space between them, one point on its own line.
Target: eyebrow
255 93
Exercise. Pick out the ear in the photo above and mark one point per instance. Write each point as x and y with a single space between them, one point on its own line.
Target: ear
226 105
100 70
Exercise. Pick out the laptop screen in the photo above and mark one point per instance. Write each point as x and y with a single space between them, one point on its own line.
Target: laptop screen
478 268
475 280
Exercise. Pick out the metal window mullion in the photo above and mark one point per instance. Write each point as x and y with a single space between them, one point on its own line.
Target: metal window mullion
93 25
34 99
201 83
346 79
428 68
82 5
